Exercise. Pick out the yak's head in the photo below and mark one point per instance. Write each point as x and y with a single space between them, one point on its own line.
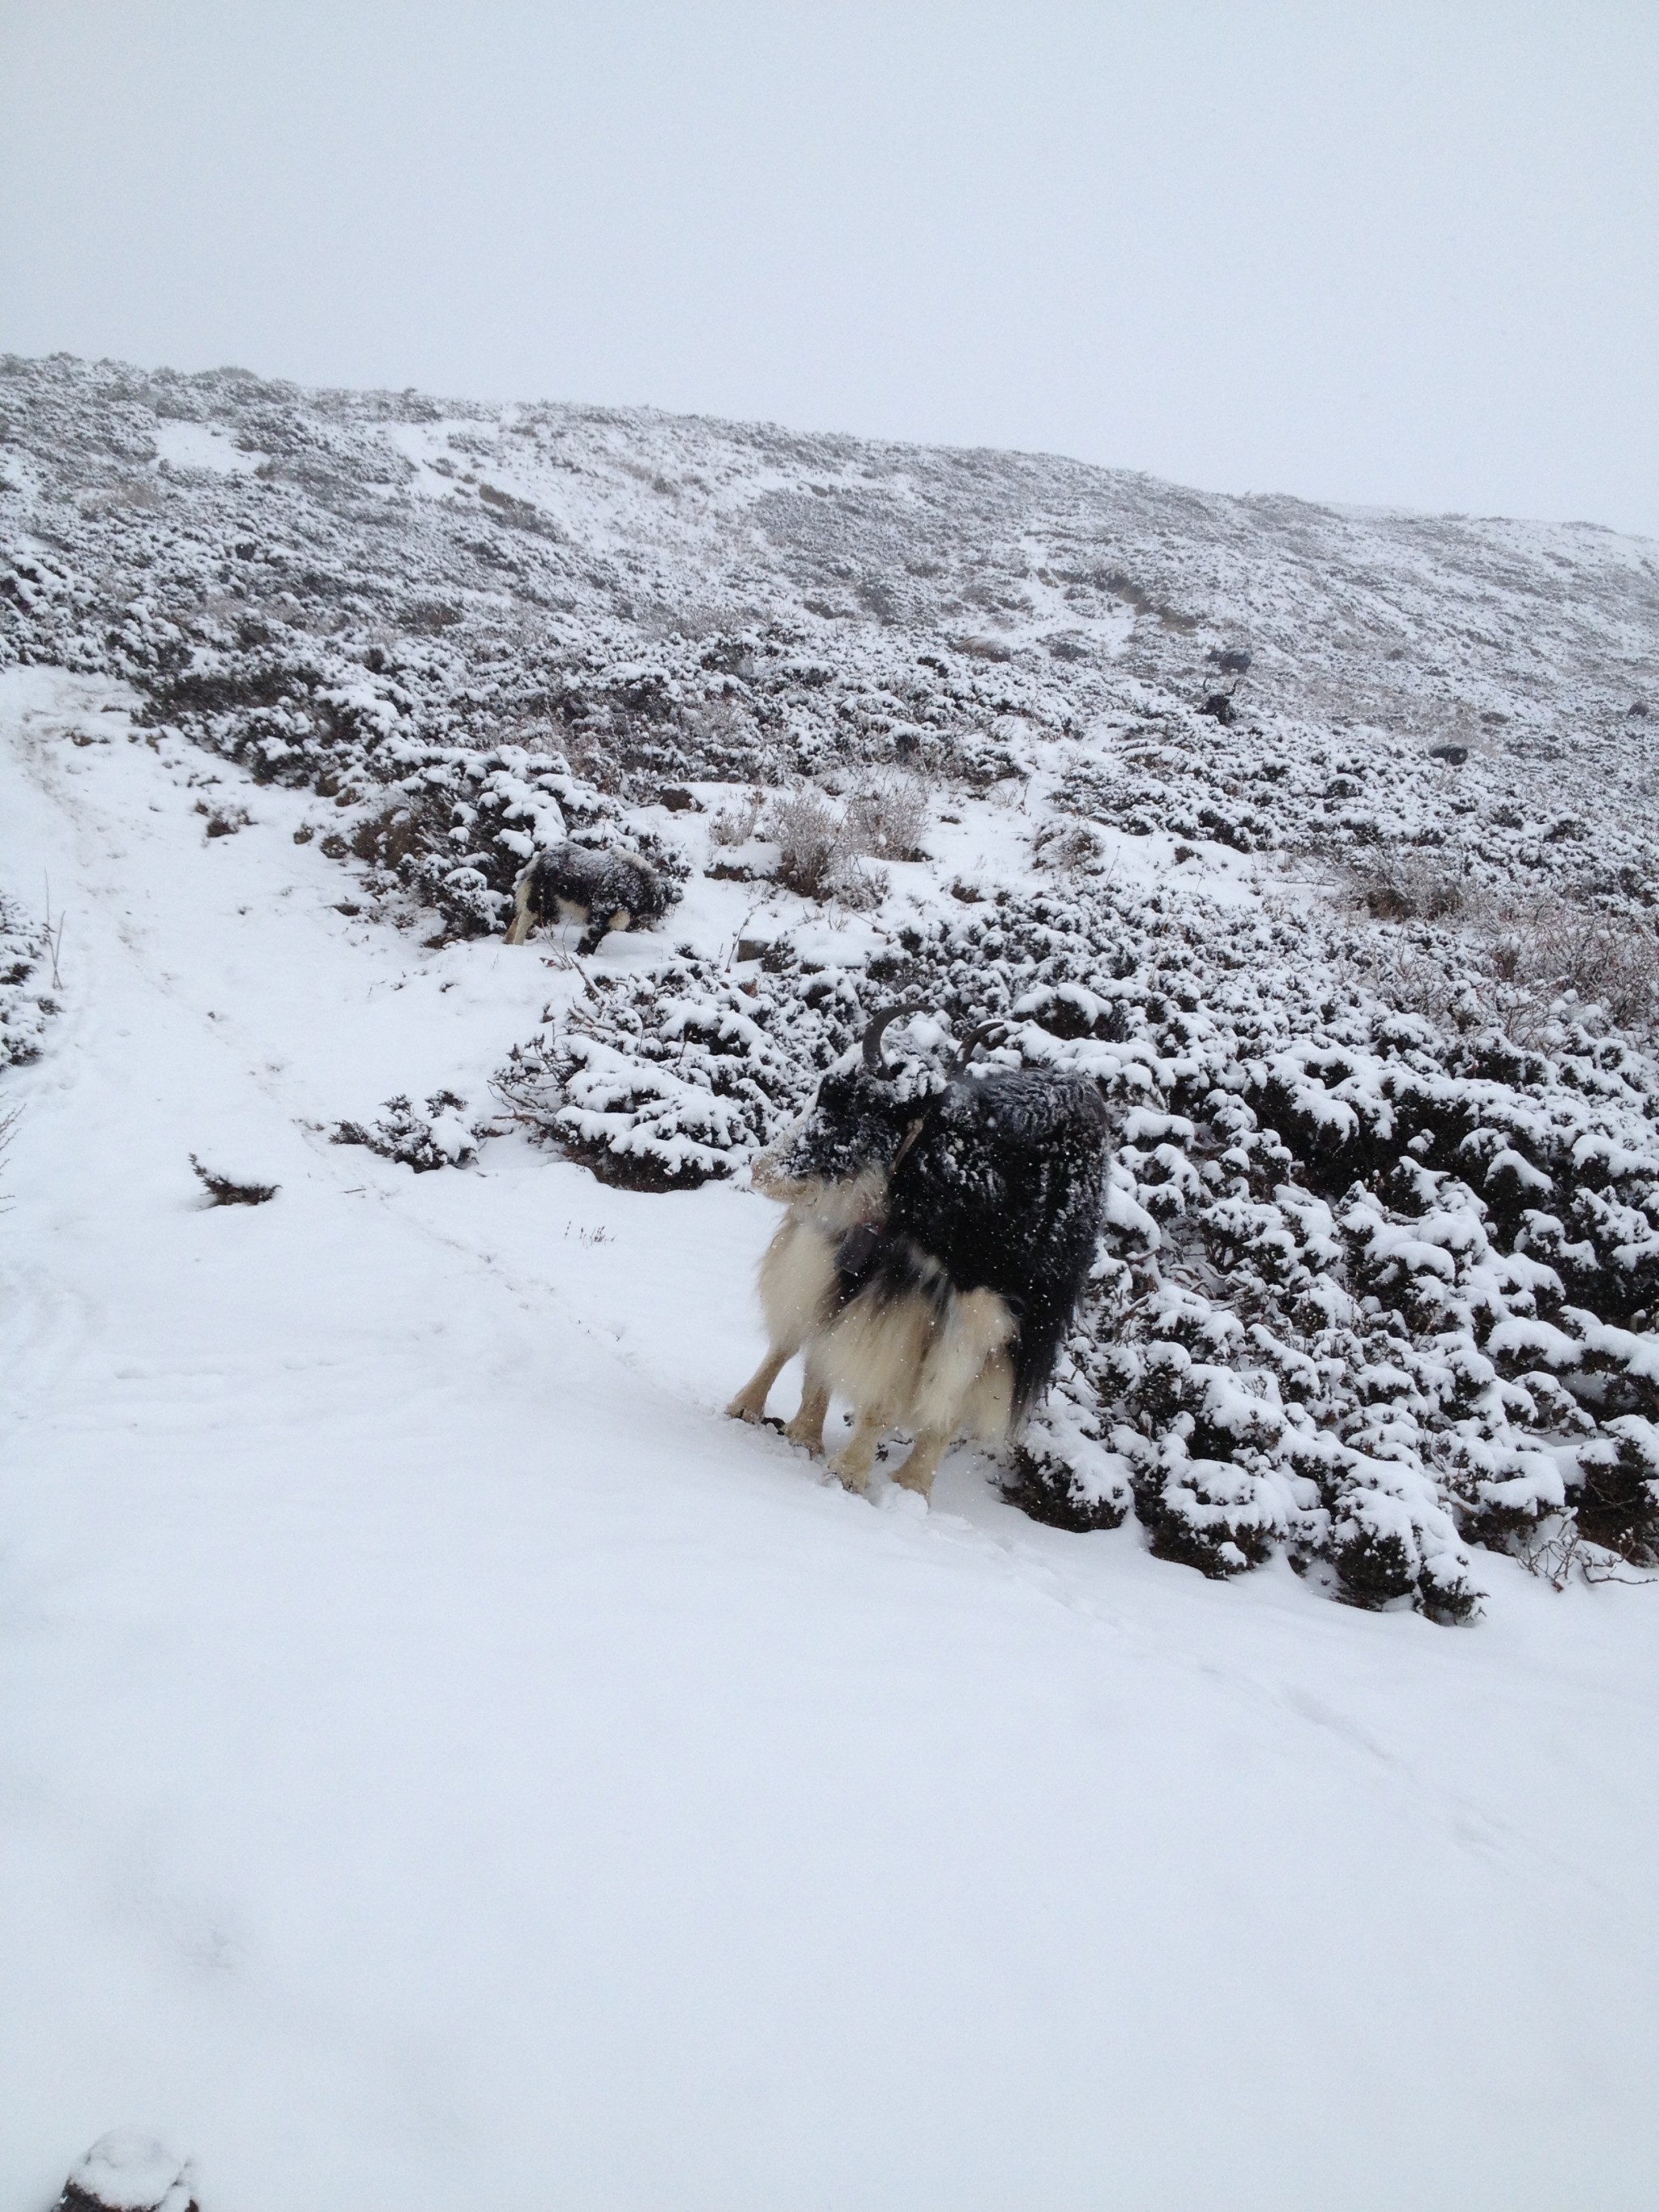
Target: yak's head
835 1159
657 893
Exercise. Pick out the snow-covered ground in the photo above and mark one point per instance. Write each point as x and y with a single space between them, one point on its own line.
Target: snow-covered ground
446 1763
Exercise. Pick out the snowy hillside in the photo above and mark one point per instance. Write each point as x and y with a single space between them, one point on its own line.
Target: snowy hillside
448 1761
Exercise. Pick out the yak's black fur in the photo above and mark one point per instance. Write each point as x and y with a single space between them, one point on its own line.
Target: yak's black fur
1001 1182
599 886
857 1121
1004 1187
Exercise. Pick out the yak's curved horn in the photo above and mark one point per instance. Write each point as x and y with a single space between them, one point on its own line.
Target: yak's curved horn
975 1038
880 1024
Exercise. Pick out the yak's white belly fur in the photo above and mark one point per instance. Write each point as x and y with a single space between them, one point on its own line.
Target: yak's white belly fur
798 1278
937 1365
923 1367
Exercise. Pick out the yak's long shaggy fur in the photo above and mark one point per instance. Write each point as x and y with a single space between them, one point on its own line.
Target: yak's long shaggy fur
830 1169
939 1237
1003 1188
603 891
912 1350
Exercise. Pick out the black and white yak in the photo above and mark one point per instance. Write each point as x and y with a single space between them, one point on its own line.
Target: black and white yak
602 890
933 1254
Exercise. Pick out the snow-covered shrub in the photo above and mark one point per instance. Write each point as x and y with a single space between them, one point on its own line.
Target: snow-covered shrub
28 995
737 823
812 842
9 1119
886 817
860 888
663 1082
822 851
1063 847
232 1190
1480 958
1616 1491
1404 883
1061 1469
1602 959
439 1137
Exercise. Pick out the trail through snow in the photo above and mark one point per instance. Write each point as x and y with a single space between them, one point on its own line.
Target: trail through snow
446 1763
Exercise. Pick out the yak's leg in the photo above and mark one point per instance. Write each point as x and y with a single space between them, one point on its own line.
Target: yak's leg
921 1461
750 1404
853 1463
523 920
807 1427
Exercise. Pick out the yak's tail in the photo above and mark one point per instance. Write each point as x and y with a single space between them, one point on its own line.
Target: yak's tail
1043 1328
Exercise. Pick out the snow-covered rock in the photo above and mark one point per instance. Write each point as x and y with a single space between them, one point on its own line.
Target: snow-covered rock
127 2170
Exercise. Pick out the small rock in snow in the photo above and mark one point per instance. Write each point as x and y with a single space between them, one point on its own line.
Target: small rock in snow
127 2170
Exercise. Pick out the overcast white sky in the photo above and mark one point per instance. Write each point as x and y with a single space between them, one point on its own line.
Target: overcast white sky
1361 252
